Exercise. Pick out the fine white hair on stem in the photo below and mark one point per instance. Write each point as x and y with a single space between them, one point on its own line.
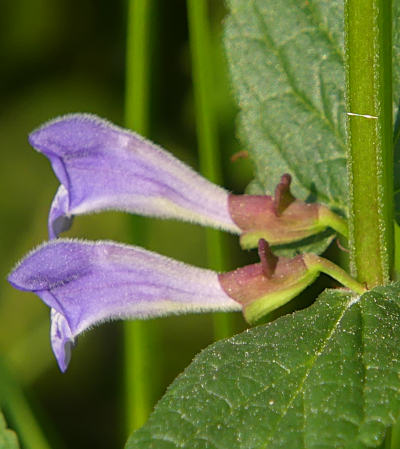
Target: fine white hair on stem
354 114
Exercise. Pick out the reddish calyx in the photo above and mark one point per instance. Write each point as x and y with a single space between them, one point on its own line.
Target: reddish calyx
265 286
278 219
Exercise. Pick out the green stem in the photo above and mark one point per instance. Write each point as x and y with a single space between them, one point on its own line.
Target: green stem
209 155
138 334
330 219
320 265
370 149
137 79
19 414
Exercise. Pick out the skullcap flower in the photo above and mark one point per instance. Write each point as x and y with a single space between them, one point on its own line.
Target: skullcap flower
101 166
85 283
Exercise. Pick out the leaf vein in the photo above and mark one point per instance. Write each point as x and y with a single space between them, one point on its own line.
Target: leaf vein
311 363
271 45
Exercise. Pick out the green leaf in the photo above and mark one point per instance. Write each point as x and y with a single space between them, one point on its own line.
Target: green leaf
314 244
8 438
287 65
287 69
324 377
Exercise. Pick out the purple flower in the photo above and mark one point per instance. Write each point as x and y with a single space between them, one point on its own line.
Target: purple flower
85 283
101 166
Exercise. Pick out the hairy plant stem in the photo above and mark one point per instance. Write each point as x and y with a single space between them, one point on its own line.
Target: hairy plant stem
202 70
139 335
370 149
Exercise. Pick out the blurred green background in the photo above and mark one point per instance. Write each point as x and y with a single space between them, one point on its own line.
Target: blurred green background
62 56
